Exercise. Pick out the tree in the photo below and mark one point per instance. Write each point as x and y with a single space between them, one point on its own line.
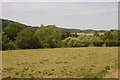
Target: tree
7 44
108 35
97 41
111 38
49 36
26 39
12 29
5 40
65 34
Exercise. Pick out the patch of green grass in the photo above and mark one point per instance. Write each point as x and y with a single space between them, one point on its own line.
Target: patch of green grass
100 74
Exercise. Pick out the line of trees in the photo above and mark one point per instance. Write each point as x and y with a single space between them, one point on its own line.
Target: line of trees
111 38
15 36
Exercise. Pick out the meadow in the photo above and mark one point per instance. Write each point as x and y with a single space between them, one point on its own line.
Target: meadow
89 33
82 62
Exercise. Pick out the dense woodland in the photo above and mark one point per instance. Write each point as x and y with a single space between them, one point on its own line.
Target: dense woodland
19 36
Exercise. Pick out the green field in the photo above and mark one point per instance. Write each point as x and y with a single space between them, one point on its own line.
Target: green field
90 33
61 62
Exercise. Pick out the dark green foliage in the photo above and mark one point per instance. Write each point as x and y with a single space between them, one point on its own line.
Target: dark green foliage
5 40
7 44
112 38
98 43
12 29
65 34
111 43
84 44
4 23
108 35
26 39
17 35
118 34
50 36
10 45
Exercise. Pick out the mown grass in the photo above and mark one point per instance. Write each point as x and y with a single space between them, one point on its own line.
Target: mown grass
87 62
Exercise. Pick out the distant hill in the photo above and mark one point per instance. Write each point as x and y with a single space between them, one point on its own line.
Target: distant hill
88 31
72 30
83 31
5 23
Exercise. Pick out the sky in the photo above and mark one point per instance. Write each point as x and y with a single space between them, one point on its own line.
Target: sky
78 15
60 0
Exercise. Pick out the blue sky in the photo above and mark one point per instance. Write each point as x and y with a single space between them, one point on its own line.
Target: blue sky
80 15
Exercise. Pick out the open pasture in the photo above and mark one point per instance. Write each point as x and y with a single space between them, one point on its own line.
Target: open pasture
85 62
90 33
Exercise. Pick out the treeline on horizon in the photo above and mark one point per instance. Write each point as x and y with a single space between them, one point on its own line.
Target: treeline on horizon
19 36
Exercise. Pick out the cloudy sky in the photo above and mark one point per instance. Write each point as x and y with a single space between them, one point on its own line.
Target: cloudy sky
81 15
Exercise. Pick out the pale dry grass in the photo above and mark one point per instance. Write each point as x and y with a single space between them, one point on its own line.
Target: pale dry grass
63 62
90 34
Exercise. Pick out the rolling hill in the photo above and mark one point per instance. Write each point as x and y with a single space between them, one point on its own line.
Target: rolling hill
4 23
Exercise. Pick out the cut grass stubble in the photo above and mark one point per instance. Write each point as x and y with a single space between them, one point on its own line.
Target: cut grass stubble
87 62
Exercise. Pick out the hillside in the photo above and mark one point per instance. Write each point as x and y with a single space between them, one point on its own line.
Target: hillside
73 30
5 23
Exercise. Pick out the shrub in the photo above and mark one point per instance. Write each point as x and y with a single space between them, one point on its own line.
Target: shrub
97 41
75 42
84 41
71 42
111 43
9 46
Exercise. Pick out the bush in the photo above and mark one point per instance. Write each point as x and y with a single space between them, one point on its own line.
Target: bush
111 43
6 43
74 42
9 46
71 42
84 41
84 44
98 43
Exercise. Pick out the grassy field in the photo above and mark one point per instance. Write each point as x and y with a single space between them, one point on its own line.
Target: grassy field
90 33
61 62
